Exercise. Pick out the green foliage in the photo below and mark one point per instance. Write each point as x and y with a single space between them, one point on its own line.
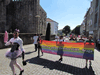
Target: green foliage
48 32
73 31
66 29
76 30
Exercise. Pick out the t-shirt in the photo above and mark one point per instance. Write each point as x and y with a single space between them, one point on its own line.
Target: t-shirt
61 40
81 40
56 37
35 39
90 41
39 46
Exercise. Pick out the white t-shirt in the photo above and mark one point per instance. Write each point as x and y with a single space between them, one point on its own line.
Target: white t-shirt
16 40
35 39
61 40
56 37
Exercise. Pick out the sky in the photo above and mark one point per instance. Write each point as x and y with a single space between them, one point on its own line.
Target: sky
66 12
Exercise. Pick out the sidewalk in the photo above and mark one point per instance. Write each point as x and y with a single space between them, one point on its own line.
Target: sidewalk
48 64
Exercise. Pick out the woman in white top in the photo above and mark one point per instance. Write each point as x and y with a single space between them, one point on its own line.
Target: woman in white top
15 52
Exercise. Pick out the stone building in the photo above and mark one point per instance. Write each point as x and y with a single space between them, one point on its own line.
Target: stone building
54 26
2 15
26 15
82 28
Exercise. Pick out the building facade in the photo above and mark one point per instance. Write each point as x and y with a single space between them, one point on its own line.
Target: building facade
26 15
97 11
87 20
82 28
60 32
54 26
92 15
2 15
92 20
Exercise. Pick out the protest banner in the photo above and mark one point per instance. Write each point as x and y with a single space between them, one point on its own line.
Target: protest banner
71 49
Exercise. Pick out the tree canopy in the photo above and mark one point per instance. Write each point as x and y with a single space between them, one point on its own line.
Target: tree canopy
66 29
76 30
48 32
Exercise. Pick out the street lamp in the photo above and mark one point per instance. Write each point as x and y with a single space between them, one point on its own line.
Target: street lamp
38 16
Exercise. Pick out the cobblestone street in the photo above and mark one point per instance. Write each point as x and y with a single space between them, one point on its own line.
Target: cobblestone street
48 64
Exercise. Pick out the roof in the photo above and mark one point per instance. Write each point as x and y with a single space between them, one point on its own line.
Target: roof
87 12
60 29
50 20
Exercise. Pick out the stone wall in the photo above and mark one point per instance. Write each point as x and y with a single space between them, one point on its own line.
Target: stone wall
21 14
26 37
2 16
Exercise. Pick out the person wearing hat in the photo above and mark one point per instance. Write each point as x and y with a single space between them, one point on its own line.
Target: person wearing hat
90 39
16 51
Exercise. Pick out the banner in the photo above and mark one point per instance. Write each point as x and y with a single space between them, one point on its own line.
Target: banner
71 49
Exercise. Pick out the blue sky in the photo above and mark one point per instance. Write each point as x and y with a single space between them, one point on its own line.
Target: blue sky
66 12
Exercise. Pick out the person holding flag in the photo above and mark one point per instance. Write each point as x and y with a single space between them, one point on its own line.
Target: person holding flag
15 51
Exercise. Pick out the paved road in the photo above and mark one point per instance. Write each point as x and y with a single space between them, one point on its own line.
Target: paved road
48 65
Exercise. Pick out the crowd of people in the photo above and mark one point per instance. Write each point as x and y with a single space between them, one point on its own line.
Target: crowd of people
17 42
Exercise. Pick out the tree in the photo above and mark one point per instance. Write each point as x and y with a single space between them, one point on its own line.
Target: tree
73 31
48 32
76 30
66 29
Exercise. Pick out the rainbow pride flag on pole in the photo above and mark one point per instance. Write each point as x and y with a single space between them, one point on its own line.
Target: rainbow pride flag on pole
71 49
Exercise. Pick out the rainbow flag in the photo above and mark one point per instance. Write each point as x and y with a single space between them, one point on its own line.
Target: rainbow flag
6 37
71 49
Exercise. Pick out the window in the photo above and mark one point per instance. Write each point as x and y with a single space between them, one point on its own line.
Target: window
91 10
90 23
95 18
96 3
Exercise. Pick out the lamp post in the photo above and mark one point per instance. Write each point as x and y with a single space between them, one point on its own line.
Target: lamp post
38 16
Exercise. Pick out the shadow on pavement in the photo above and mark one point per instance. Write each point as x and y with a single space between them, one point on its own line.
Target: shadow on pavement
29 52
60 66
97 49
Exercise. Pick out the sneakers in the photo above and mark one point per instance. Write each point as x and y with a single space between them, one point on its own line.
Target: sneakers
35 50
21 72
90 63
60 59
38 56
42 53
